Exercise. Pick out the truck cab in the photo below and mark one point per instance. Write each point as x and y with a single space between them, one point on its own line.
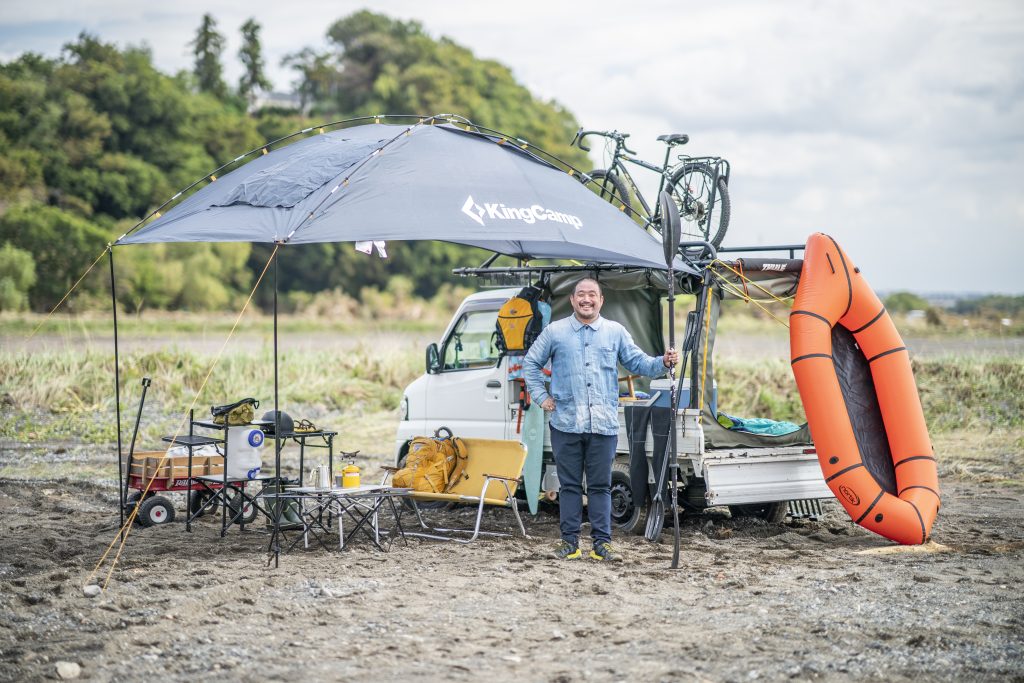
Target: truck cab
466 387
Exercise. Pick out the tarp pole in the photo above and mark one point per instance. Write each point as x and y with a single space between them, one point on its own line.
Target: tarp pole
121 491
278 487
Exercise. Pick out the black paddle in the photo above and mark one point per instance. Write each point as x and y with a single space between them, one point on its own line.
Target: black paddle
656 515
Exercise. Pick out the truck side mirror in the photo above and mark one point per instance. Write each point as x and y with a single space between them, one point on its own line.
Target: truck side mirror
433 360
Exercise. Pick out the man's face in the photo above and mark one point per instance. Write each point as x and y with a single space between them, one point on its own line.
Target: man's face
587 300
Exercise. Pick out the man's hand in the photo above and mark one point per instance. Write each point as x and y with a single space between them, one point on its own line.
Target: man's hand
548 404
671 358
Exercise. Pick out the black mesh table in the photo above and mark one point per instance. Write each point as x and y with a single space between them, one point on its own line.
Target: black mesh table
321 507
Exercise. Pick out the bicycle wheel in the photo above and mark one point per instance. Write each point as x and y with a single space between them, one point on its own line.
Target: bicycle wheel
703 207
609 187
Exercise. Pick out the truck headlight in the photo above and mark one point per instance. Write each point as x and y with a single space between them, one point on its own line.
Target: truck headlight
403 408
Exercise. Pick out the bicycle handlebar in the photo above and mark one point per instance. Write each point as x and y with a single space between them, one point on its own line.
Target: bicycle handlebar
619 138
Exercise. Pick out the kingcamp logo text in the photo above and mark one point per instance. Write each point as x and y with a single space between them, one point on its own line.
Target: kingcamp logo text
527 214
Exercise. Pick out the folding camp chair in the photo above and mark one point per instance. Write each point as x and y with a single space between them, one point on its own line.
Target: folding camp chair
492 473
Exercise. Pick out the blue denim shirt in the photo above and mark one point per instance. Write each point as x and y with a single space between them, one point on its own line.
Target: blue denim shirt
584 372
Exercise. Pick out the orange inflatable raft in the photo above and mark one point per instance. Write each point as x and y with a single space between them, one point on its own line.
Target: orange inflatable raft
862 405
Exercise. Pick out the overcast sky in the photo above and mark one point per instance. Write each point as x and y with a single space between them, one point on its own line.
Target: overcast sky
897 127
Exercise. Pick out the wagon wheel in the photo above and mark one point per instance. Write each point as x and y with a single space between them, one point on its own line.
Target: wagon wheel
131 501
248 509
201 504
155 510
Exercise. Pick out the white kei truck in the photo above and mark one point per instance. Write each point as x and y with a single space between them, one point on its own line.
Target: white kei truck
466 388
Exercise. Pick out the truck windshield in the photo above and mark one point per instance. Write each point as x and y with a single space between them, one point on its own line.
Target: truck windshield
471 344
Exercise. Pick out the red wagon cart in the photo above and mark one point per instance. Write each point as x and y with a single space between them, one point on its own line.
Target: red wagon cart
153 473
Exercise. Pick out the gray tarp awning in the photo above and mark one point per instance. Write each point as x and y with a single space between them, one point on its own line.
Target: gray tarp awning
419 182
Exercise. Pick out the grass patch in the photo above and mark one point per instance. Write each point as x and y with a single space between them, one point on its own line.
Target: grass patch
63 395
956 392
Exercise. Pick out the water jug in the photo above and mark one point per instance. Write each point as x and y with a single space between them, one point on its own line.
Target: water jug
244 445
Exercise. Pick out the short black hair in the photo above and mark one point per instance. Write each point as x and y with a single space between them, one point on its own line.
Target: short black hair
600 289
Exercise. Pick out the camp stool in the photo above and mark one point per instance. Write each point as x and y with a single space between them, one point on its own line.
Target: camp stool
493 470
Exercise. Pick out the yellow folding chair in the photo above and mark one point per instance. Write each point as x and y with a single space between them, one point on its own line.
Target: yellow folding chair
493 470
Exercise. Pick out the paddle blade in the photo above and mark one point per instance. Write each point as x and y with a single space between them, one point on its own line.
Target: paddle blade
670 226
655 520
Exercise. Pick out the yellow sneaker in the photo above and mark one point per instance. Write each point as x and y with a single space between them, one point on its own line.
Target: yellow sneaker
566 551
605 552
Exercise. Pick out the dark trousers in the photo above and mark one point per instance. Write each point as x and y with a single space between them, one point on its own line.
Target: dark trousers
574 455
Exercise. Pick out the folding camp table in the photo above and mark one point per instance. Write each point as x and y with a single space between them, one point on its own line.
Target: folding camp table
362 505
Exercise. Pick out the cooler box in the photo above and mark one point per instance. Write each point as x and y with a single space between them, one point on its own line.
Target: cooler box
661 389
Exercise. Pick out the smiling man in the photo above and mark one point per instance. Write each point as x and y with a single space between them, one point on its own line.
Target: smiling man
585 351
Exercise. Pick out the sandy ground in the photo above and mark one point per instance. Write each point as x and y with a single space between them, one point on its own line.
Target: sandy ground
802 600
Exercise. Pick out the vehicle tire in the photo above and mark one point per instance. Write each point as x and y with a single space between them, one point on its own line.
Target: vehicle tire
692 185
155 510
199 506
773 513
249 509
611 188
625 514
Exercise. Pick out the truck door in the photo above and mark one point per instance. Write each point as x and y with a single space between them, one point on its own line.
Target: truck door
469 394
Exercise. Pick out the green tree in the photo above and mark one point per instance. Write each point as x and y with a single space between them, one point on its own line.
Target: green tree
315 77
993 305
901 302
207 46
17 275
62 244
251 55
388 65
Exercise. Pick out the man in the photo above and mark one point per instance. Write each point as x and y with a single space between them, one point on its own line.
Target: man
585 350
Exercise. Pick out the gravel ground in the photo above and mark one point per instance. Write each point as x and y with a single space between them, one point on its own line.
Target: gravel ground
802 600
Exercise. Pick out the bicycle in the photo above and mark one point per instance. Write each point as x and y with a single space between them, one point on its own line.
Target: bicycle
700 186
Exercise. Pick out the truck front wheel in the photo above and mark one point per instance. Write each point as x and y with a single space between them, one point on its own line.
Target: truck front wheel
625 514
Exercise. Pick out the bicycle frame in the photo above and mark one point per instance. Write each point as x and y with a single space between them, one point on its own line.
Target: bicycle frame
624 153
665 171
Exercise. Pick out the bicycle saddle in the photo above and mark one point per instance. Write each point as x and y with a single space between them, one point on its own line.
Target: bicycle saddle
674 139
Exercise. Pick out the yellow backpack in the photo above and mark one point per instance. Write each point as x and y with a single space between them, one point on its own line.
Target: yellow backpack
519 320
434 464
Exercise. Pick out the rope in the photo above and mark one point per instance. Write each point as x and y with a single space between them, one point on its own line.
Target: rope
127 527
743 277
65 297
745 295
